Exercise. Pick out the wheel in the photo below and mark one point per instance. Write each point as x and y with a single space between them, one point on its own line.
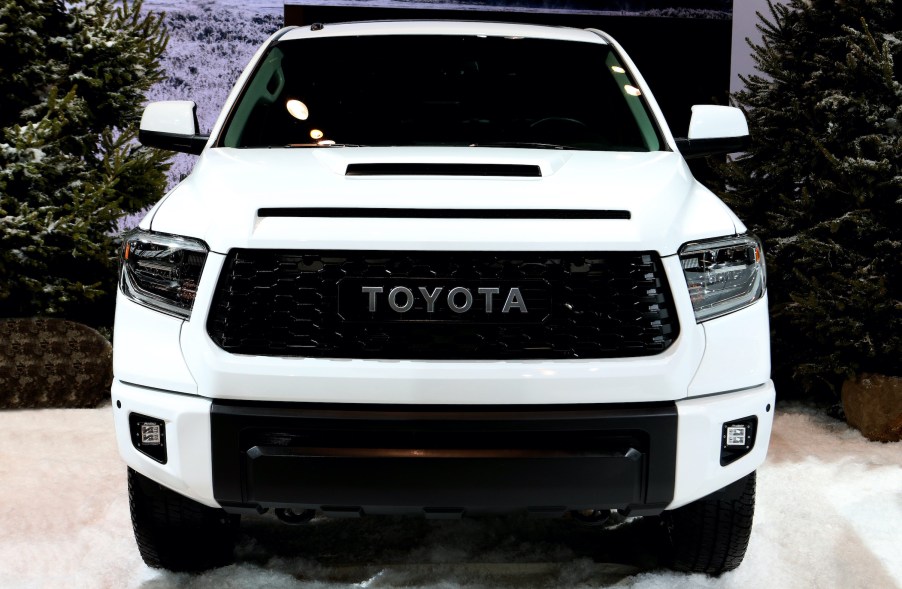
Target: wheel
711 535
176 533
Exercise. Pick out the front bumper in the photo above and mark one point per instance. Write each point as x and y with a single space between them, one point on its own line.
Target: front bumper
640 457
394 459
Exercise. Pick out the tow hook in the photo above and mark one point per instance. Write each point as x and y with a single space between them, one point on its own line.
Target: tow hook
591 517
294 518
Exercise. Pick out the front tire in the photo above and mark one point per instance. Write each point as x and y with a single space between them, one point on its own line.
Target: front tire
711 535
177 533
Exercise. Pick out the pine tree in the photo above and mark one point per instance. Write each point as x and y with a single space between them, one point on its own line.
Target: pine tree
72 85
822 185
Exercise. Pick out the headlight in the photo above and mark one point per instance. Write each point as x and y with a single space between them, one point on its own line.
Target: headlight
723 275
162 271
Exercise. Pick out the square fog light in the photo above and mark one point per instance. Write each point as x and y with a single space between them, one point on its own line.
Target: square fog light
736 435
737 439
148 436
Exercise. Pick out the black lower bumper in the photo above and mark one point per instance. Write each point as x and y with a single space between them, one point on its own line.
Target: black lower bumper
443 459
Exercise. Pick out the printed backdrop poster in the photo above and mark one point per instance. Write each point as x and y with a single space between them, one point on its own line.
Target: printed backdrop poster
715 9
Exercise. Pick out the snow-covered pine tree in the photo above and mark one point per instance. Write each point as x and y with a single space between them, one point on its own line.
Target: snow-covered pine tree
72 85
822 184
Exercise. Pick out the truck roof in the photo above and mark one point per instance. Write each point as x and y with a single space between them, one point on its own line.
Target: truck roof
443 27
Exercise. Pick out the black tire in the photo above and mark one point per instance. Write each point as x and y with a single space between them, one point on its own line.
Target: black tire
711 535
176 533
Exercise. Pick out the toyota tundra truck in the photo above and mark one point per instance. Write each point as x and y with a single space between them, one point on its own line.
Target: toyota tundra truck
444 269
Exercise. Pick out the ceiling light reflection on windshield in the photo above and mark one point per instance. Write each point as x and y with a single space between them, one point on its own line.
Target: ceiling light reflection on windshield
316 134
297 109
632 90
617 69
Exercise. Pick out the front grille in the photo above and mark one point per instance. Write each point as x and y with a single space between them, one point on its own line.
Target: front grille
316 304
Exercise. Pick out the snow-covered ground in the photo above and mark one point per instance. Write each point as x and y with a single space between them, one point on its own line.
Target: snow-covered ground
829 515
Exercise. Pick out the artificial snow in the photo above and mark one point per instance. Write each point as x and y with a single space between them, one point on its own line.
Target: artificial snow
829 514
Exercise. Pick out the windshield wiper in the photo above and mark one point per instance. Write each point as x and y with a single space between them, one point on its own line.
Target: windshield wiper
322 145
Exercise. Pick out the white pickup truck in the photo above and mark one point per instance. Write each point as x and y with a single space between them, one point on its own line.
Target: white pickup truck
445 269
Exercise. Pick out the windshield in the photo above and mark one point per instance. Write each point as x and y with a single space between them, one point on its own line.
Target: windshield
441 90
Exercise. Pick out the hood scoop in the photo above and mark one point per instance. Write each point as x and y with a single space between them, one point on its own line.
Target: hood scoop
387 213
439 169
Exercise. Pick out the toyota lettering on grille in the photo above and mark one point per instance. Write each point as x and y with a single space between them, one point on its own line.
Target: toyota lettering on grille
441 301
459 299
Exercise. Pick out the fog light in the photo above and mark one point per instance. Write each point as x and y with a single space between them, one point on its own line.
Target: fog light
148 436
736 435
737 439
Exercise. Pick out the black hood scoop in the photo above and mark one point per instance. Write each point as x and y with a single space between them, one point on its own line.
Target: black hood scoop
438 169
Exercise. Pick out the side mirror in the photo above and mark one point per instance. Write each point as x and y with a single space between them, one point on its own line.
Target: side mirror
172 125
714 130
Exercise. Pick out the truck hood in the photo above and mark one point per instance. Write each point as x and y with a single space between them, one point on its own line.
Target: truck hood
657 204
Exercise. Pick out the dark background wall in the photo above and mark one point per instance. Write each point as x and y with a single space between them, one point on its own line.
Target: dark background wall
685 61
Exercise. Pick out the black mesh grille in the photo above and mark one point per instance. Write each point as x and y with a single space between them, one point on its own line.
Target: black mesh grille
317 304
